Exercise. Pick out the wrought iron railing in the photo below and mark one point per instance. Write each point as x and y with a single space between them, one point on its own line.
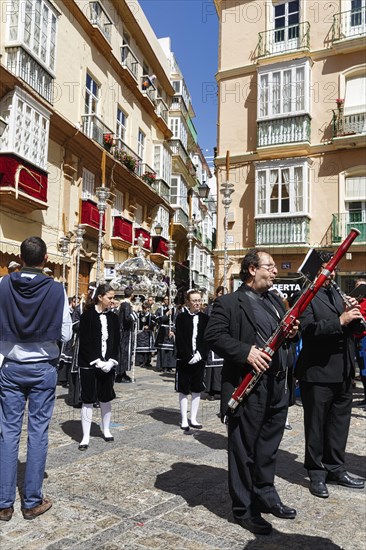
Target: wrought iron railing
285 39
284 130
148 88
98 17
349 24
127 156
342 224
345 125
129 60
94 128
23 65
282 231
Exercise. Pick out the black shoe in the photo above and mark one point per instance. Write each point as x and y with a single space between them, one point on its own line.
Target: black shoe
319 489
256 525
83 447
196 426
109 438
184 428
348 481
281 511
126 379
288 427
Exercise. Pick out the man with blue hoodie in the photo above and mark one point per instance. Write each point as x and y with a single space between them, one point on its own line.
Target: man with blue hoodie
34 317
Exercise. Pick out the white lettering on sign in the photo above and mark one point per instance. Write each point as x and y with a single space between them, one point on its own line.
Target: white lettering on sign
287 289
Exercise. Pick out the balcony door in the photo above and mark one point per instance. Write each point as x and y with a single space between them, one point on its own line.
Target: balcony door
286 24
357 14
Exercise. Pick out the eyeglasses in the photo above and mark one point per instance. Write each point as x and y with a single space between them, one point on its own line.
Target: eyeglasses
268 267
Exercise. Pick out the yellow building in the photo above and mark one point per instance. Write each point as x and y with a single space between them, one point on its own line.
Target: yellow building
292 115
85 93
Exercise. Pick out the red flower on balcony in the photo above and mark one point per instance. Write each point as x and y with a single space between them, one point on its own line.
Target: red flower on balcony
339 102
108 139
149 177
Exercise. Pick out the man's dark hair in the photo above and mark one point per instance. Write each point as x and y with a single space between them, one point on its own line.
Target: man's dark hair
250 258
33 251
220 289
128 291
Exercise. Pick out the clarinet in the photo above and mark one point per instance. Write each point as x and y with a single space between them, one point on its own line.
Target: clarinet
284 328
347 301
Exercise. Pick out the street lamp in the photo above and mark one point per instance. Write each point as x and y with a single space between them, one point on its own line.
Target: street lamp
79 237
226 190
102 194
190 235
64 249
172 288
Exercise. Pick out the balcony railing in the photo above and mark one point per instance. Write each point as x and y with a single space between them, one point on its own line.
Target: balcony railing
282 231
349 24
286 39
148 88
94 128
127 156
129 60
162 188
346 125
161 109
178 149
178 104
28 69
284 130
342 224
99 18
148 174
181 217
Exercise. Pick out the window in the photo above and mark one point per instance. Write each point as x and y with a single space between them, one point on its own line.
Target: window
91 95
121 125
284 91
178 129
282 189
118 204
141 144
286 21
178 193
34 23
355 98
358 14
162 163
162 217
139 214
88 185
355 199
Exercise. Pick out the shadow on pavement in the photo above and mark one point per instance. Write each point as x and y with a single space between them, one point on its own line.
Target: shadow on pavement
72 428
161 414
279 540
198 485
211 439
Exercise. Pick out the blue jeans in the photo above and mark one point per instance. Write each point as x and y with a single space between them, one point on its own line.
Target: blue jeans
19 382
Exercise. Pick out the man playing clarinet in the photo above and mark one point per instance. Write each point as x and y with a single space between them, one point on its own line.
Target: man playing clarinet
325 369
239 326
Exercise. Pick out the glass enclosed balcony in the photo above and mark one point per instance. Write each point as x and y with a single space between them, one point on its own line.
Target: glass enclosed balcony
284 130
286 39
343 223
282 231
23 65
349 24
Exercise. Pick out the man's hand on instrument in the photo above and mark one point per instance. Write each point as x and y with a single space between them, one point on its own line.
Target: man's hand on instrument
350 315
294 329
352 303
258 359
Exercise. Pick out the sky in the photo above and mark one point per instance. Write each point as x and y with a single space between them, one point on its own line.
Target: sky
192 26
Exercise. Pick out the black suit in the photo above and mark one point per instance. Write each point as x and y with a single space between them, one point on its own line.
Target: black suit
325 368
256 427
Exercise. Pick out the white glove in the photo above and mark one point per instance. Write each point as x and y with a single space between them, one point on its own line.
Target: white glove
99 364
196 357
108 365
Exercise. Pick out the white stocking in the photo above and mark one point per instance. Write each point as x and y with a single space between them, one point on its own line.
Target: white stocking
195 406
183 405
86 420
106 412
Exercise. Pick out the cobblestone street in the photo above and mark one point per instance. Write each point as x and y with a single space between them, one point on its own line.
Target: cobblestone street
157 487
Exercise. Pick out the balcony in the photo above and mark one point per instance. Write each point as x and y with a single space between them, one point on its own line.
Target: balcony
159 245
24 66
23 187
127 156
348 125
178 104
282 231
161 109
94 128
99 19
293 129
129 60
148 88
148 174
180 217
179 150
122 233
90 215
342 224
145 235
286 39
162 188
349 24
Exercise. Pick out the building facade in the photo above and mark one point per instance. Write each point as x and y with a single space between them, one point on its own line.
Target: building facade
87 149
292 121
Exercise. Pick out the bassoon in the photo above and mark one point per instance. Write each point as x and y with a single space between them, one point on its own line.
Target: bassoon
286 325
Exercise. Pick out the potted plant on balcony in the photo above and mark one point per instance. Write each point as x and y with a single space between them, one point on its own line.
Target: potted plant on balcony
108 141
128 161
340 103
149 177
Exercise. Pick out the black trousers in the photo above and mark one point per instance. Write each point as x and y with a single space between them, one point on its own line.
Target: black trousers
327 415
254 438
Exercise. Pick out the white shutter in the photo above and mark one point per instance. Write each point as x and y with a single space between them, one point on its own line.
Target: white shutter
355 100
